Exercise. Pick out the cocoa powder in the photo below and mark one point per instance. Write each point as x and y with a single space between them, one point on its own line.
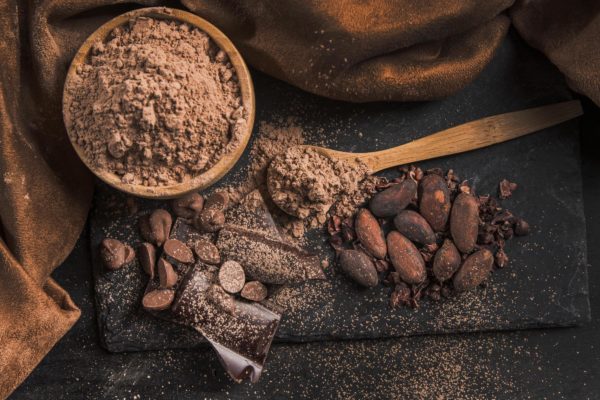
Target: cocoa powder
157 103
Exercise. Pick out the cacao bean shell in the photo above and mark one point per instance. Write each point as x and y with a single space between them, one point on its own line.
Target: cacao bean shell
412 225
406 258
474 270
370 234
464 222
434 201
446 261
393 199
359 267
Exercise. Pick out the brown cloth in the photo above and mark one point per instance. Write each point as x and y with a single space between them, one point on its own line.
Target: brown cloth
352 50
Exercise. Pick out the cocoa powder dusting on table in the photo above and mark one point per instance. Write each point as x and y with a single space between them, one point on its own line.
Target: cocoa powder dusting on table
157 103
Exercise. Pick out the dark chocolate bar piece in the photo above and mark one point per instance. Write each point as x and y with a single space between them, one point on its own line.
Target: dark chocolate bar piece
241 332
252 214
267 260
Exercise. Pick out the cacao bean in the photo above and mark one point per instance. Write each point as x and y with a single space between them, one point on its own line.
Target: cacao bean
434 201
393 199
412 225
188 206
474 270
446 261
464 222
359 267
405 258
370 234
217 201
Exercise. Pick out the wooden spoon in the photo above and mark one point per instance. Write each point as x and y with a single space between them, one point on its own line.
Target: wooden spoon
466 137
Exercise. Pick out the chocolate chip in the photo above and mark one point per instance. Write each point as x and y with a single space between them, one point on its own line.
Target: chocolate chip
254 291
147 257
114 253
217 200
188 206
178 251
232 276
210 220
159 299
155 228
207 252
166 274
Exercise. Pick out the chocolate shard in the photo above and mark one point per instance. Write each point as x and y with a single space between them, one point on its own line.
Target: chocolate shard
252 214
267 260
241 337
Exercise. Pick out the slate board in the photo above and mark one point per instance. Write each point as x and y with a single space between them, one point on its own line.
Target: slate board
544 286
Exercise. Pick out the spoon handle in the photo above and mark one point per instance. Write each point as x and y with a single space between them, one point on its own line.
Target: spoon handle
473 135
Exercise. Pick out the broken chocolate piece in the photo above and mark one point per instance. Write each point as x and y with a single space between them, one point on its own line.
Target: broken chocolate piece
267 260
155 228
207 252
188 206
254 291
232 276
210 220
178 251
166 274
147 257
115 254
252 214
241 338
217 201
159 299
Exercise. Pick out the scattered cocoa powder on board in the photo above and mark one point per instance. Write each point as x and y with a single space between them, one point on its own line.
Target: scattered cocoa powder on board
157 103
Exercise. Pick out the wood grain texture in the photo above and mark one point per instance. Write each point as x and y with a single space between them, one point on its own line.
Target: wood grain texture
466 137
226 162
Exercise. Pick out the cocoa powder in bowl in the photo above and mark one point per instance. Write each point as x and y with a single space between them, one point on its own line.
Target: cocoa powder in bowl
156 103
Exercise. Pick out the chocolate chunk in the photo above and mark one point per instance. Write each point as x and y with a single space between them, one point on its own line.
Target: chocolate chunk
188 206
267 260
155 228
359 266
412 225
220 298
207 252
252 214
241 338
232 276
210 220
394 199
178 251
217 201
114 253
147 258
166 274
159 299
254 291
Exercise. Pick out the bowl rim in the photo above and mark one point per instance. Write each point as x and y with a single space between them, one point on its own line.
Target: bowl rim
226 162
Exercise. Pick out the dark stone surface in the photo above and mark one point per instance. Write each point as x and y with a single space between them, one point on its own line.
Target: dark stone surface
545 284
543 363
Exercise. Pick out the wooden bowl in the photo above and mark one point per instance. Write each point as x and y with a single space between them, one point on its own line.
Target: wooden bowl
226 162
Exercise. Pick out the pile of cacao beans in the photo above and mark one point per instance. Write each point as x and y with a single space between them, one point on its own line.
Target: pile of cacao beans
424 234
